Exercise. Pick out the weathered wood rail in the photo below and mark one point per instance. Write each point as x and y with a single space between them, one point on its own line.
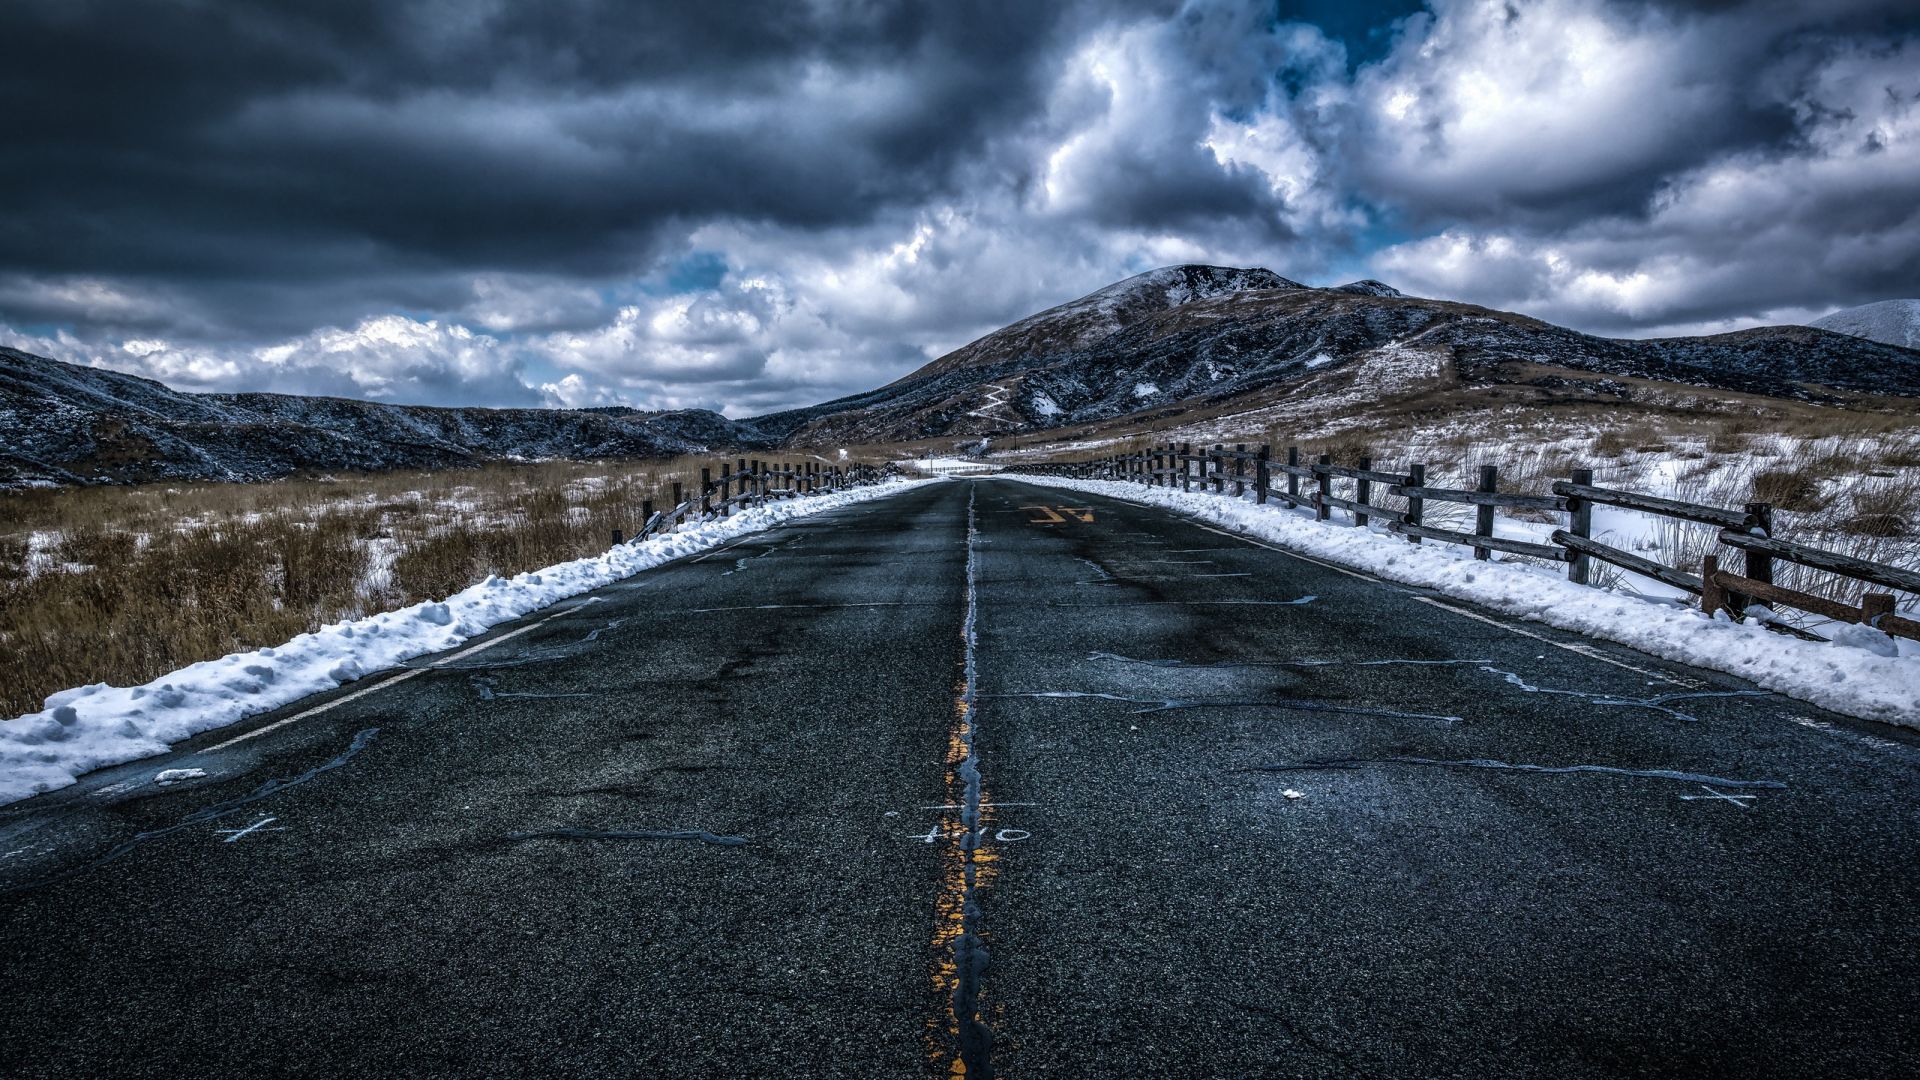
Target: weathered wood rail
1245 472
748 482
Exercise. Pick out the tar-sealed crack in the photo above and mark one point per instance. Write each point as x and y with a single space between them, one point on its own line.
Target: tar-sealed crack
701 835
1660 703
1487 763
959 921
484 687
1154 705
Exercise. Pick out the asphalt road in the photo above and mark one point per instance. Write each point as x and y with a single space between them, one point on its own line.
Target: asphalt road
994 777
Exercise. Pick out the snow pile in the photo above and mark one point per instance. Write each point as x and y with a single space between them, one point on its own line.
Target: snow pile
90 727
1861 674
1889 322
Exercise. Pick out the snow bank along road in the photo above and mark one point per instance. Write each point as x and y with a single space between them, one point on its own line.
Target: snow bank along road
994 777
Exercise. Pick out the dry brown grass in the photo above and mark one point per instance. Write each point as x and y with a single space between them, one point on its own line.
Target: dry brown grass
125 584
1797 489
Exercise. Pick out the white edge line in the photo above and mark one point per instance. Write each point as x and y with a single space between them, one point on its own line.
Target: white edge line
383 684
1297 555
1578 648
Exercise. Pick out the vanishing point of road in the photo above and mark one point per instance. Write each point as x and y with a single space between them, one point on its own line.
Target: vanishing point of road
997 779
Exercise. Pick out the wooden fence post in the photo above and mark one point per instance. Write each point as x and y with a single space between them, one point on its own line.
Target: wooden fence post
1580 524
1239 471
1759 563
1323 484
1293 479
1186 466
646 516
1874 605
618 538
706 490
740 474
1483 518
1219 466
1363 490
726 489
678 498
1261 480
1416 506
1712 596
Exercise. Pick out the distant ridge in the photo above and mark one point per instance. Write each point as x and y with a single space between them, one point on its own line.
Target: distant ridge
65 424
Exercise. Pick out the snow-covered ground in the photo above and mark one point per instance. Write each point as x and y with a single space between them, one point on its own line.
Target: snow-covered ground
90 727
1861 673
952 466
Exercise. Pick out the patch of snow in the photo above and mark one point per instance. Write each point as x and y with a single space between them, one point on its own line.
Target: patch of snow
1144 389
175 776
1320 360
1851 675
1045 405
90 727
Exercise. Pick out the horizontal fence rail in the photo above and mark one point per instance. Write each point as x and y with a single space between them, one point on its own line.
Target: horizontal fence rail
1254 472
746 483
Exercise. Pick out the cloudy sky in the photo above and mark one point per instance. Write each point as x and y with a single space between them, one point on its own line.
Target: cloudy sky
747 206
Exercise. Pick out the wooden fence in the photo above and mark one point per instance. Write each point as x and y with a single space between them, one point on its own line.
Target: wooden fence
1240 472
745 483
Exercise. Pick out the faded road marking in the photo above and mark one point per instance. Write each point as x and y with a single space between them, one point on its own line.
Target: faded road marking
1582 649
382 685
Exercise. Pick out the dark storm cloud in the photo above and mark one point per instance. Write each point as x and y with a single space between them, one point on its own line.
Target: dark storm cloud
757 204
301 142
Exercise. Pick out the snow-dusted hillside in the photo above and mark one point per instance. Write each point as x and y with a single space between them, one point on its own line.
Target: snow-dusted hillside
1199 335
61 423
1890 322
1171 340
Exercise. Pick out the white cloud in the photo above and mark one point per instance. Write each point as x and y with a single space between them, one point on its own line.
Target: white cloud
1742 235
1617 167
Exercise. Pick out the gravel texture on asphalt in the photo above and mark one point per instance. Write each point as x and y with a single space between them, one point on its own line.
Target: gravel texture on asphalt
1239 814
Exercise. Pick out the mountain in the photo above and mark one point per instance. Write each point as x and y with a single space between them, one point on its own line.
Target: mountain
1064 330
1193 336
1889 322
63 424
1195 340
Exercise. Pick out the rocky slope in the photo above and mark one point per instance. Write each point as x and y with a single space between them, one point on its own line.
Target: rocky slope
1156 341
1889 322
64 424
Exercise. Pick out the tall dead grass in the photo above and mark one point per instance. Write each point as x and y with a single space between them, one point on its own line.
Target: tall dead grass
122 585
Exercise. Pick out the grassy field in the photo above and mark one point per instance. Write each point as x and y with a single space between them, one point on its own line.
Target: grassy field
124 584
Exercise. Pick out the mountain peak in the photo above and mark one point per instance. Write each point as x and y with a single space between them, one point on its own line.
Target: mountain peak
1889 322
1368 287
1108 309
